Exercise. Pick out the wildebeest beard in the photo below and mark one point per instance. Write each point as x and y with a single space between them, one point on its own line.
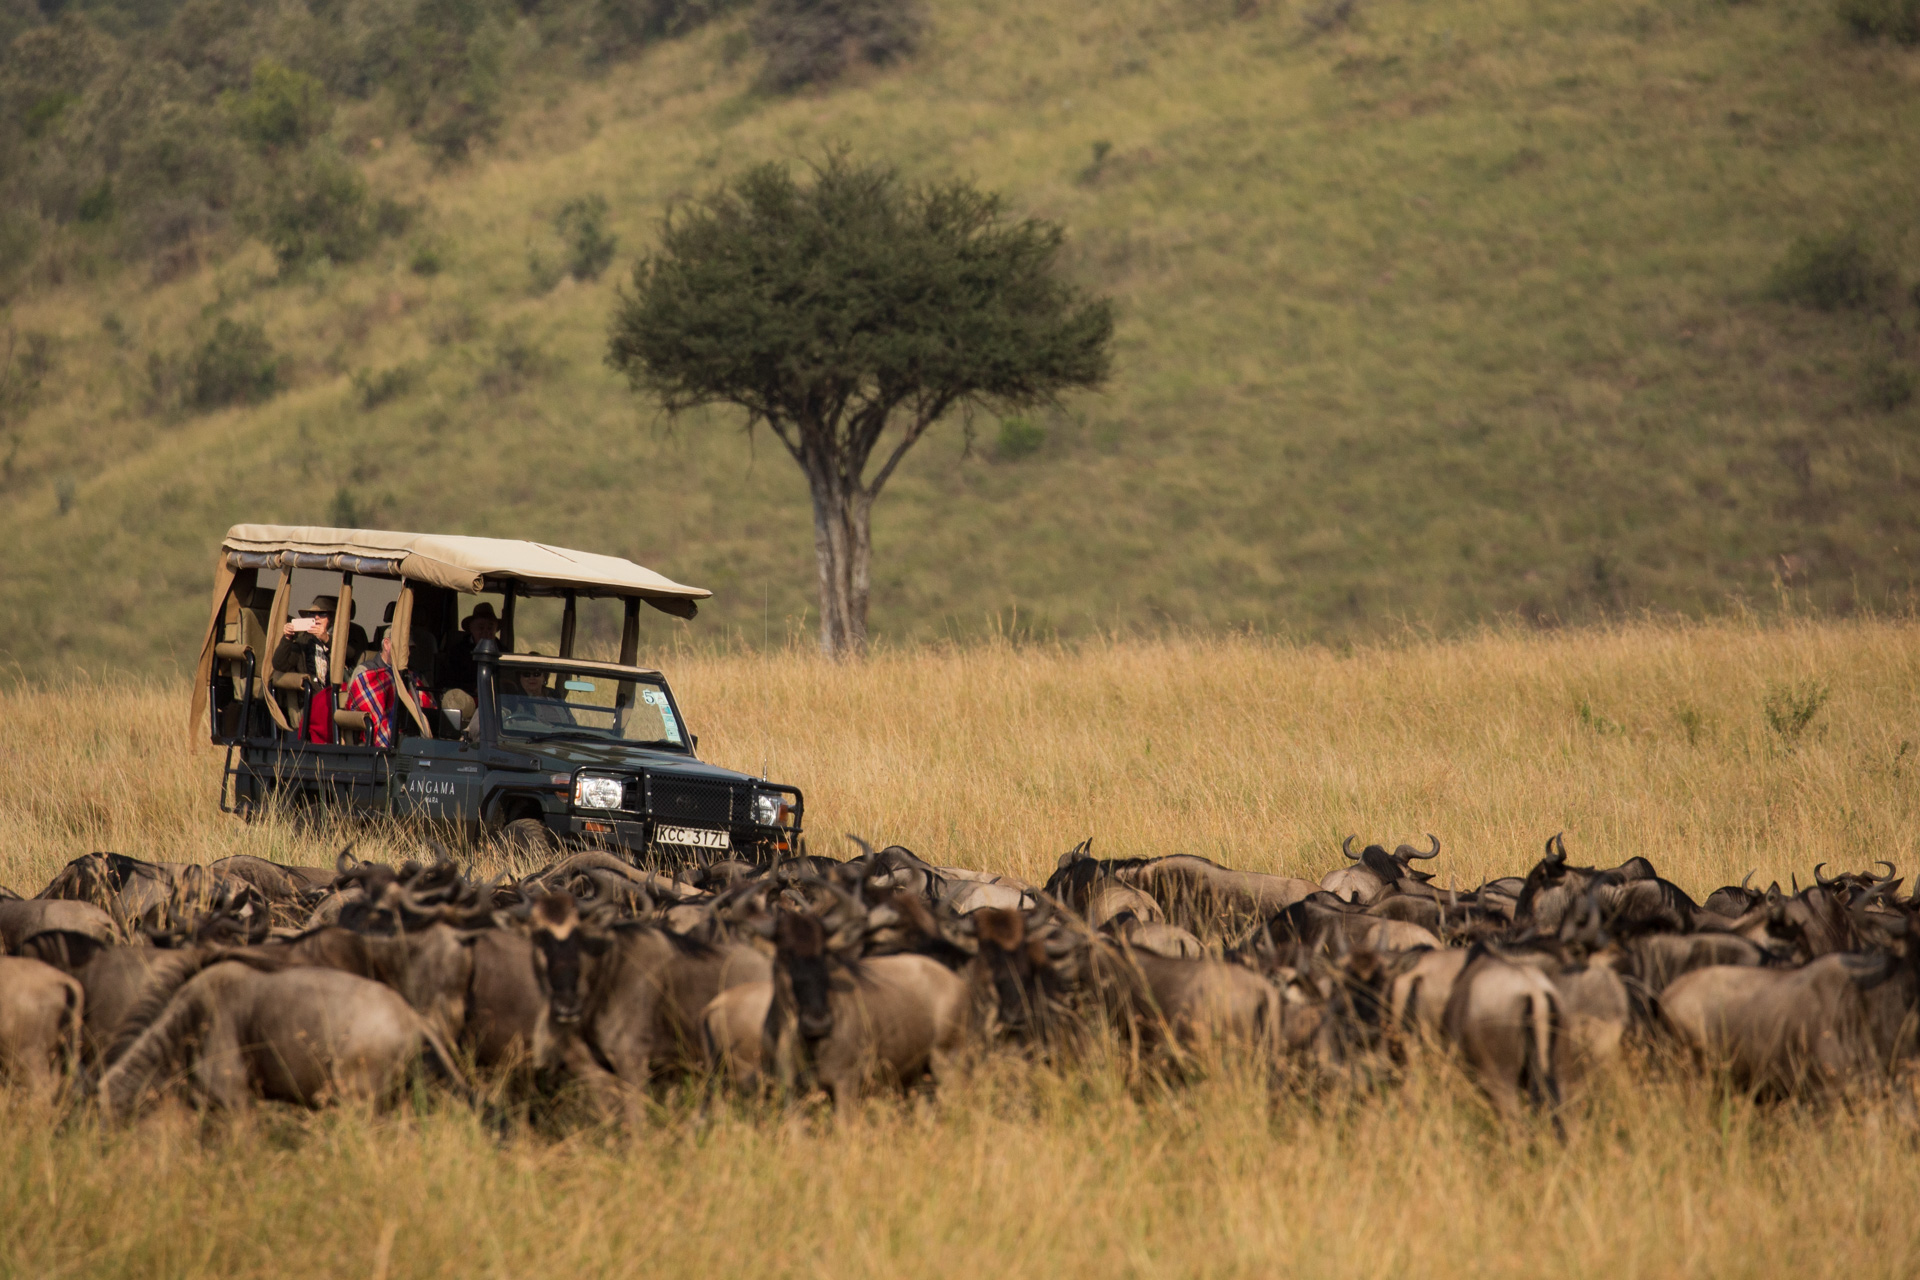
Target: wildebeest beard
801 941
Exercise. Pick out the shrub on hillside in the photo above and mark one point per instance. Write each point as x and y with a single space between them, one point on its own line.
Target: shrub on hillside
814 41
237 365
374 389
19 237
1889 385
447 74
1019 437
582 224
317 208
629 24
1830 272
282 109
1897 20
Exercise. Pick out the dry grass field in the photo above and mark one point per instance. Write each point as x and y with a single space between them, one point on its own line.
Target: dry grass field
1687 745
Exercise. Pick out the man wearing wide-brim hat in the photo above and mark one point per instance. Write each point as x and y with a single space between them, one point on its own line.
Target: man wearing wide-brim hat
457 668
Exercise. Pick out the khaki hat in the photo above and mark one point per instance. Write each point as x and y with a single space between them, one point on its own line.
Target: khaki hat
483 610
321 604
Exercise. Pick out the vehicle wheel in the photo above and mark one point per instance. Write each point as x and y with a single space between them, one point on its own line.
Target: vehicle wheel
525 838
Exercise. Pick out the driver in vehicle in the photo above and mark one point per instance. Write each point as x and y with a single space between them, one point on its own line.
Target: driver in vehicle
527 694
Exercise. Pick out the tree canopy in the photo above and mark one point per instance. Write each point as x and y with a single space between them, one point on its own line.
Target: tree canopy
848 313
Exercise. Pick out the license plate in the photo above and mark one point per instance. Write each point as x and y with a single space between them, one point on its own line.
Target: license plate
698 837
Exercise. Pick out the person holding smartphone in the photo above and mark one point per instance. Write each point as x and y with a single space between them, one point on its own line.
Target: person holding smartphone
306 648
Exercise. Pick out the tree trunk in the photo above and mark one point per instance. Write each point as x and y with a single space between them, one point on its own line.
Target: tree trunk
843 547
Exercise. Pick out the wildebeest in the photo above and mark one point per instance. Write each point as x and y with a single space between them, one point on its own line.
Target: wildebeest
1506 1020
1375 871
302 1035
21 918
41 1010
1195 894
846 1023
627 999
1779 1032
1630 894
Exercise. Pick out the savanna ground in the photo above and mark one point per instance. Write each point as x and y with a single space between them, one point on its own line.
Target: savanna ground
1714 750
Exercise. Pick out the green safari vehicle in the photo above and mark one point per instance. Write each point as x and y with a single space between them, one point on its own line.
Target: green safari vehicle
474 739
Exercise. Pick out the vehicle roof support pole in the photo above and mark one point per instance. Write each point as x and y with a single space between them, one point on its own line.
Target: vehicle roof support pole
402 633
567 622
630 633
506 618
276 623
342 629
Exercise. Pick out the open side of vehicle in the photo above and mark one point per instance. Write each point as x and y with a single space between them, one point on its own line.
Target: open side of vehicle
474 739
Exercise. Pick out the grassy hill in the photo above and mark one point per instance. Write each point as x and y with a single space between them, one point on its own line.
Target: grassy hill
1428 312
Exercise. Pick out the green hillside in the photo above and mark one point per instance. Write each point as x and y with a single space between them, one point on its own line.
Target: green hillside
1428 312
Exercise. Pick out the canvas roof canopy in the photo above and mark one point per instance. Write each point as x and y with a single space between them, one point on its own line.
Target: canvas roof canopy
457 562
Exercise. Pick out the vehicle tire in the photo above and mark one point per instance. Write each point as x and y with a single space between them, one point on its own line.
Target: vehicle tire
525 837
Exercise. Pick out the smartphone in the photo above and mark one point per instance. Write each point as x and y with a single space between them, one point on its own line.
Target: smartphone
302 624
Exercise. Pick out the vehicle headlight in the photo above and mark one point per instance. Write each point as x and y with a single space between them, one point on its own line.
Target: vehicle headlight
598 793
769 808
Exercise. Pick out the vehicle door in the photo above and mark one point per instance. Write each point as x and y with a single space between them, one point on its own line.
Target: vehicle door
437 781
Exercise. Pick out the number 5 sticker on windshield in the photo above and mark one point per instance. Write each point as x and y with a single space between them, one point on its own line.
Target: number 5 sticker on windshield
658 701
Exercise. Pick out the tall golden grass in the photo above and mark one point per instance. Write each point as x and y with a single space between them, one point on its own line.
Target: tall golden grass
1634 740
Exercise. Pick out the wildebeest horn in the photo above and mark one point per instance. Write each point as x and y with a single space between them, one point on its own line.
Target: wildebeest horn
1548 856
343 862
1891 871
866 849
1346 847
1745 878
1432 839
1819 879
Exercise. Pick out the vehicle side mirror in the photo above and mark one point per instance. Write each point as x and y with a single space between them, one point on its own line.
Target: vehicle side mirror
693 742
453 715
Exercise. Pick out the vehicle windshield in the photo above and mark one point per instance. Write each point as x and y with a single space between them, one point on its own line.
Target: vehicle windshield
555 703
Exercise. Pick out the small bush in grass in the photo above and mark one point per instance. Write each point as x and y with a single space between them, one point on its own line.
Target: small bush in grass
1896 20
377 388
237 365
813 41
1790 707
1019 437
19 237
97 205
1889 385
429 257
517 360
393 217
582 224
543 273
1831 272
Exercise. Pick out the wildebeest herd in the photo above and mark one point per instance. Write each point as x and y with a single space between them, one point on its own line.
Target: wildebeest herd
124 980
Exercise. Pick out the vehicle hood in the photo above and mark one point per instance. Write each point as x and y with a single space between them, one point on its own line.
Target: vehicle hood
568 756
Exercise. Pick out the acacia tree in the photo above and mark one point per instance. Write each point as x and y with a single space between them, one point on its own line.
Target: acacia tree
848 314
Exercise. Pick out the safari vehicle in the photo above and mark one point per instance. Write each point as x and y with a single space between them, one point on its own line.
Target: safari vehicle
554 750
